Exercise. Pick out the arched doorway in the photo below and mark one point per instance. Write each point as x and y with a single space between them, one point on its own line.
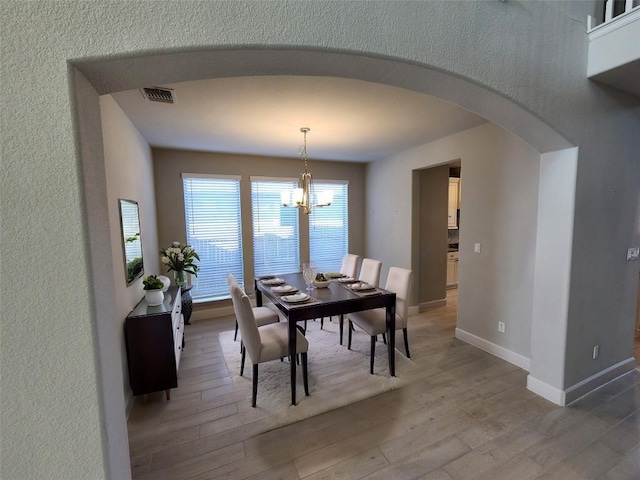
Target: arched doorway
94 78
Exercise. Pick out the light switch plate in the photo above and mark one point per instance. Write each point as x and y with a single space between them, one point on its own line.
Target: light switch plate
632 253
476 248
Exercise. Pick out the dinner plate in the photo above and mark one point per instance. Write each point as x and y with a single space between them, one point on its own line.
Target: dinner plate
363 287
298 297
273 281
284 289
333 274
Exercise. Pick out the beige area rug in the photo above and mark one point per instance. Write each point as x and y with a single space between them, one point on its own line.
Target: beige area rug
337 376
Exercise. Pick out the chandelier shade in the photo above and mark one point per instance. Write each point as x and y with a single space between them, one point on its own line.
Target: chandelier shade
305 195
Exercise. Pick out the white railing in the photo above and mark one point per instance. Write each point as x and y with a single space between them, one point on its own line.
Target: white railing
629 7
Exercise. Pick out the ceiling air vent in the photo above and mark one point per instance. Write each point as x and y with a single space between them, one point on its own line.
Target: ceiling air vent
158 94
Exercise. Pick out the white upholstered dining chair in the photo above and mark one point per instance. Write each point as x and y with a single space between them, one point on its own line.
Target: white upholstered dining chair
374 322
266 343
263 315
370 271
350 265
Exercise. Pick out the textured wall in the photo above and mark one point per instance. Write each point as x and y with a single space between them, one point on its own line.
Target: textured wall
531 55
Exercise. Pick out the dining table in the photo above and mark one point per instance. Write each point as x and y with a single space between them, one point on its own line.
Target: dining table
336 299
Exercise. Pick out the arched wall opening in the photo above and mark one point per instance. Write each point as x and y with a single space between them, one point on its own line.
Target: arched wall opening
97 77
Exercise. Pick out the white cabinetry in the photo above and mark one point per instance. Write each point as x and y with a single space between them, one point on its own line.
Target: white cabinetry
454 201
452 269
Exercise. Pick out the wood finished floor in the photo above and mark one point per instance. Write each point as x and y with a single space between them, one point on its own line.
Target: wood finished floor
466 415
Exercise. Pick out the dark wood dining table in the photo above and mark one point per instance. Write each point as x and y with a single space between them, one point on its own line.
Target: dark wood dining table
333 300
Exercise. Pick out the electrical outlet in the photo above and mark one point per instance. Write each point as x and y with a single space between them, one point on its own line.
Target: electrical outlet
476 248
596 351
501 327
632 253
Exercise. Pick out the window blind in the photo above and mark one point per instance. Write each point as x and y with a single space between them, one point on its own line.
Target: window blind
329 228
212 215
275 228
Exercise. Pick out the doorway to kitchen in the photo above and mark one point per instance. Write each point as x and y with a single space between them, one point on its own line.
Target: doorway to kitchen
435 225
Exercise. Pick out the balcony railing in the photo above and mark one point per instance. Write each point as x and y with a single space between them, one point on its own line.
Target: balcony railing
613 13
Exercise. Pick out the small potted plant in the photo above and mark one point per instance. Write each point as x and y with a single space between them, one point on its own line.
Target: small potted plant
153 290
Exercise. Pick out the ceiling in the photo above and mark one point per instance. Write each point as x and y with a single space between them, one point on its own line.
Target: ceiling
350 120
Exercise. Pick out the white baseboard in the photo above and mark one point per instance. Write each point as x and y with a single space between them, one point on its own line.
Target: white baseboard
580 389
553 394
424 306
490 347
415 310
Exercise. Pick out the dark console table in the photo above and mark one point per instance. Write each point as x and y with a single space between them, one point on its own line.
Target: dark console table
154 337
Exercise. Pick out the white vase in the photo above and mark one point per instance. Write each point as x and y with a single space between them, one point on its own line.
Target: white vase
154 297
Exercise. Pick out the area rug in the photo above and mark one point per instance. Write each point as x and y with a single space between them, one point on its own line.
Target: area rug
337 376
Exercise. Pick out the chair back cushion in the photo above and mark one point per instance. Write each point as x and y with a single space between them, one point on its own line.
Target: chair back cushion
246 323
399 282
231 280
350 265
370 271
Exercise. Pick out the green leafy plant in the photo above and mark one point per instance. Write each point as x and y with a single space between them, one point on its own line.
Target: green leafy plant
152 282
180 257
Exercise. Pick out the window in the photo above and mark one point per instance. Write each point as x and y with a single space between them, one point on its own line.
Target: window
329 228
212 216
275 228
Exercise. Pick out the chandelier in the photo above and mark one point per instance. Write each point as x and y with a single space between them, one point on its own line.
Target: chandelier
303 196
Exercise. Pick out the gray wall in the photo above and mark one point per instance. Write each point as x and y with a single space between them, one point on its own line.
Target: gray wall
129 172
499 210
520 64
169 164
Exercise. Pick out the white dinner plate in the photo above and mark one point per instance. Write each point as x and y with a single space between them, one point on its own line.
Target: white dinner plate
284 289
362 287
298 297
333 274
273 281
346 280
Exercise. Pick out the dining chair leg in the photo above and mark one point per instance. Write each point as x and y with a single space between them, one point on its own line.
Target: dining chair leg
244 352
406 342
321 323
254 396
349 338
235 335
373 354
305 376
384 338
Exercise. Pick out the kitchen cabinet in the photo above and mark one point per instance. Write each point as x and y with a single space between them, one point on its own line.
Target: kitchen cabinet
452 269
454 202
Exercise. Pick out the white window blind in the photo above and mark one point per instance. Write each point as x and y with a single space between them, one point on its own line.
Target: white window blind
275 228
329 228
212 214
